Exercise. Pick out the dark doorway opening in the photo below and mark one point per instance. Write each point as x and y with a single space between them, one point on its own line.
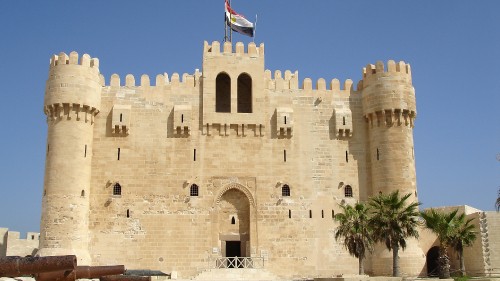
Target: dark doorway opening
432 260
233 250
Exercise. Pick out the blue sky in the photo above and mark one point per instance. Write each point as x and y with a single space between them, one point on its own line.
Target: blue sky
452 46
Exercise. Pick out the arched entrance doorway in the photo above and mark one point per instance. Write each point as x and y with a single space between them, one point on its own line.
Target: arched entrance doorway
432 260
234 223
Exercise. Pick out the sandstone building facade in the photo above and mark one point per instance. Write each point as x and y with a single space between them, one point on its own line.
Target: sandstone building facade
232 160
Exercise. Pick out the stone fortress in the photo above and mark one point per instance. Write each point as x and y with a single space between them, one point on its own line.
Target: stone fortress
232 160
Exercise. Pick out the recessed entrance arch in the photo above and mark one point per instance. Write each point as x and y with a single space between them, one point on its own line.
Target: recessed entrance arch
432 259
235 225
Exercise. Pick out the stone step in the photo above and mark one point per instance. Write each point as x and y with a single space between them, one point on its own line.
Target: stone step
225 274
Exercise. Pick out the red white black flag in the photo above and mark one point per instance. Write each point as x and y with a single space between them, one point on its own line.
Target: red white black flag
238 22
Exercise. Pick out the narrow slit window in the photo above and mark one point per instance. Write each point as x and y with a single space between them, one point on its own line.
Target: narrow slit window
182 118
85 153
343 120
194 154
128 213
289 214
322 214
118 153
233 220
285 119
194 190
346 156
310 214
117 189
121 117
333 214
284 155
378 155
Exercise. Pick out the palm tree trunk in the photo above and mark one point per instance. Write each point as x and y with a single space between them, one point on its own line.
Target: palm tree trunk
361 266
395 260
444 263
462 262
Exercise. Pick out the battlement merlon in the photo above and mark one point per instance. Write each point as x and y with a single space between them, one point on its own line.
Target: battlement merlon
73 86
215 49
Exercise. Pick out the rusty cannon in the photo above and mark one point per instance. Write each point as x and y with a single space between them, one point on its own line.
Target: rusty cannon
86 272
125 278
17 266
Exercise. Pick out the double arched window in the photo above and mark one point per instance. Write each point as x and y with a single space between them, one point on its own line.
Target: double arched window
223 93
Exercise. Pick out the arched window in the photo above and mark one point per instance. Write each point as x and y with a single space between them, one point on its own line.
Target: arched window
348 191
244 93
285 190
223 93
117 189
194 190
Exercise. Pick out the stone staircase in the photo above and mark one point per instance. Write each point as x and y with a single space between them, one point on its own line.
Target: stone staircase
483 225
225 274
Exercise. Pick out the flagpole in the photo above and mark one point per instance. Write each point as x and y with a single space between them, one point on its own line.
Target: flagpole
255 29
225 24
230 25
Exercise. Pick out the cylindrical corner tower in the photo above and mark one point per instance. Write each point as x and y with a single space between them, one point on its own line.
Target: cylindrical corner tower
72 99
389 106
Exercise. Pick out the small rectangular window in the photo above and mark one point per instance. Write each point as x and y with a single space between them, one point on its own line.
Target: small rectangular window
378 155
346 156
194 155
285 120
289 214
310 214
85 153
322 214
333 214
284 155
118 153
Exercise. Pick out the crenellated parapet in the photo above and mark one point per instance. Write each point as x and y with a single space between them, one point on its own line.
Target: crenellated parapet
73 88
218 49
290 81
187 80
388 94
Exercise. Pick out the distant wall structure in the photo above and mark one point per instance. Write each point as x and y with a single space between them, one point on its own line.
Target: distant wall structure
181 172
11 243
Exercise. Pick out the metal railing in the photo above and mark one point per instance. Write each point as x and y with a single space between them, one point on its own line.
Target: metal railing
239 262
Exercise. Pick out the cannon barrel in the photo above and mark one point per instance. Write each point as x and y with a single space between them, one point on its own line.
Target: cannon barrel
125 278
86 272
17 266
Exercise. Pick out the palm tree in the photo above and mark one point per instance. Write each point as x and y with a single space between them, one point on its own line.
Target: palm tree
464 236
354 230
444 225
497 203
393 221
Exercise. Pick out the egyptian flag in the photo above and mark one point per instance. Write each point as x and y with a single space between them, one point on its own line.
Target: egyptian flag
238 22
